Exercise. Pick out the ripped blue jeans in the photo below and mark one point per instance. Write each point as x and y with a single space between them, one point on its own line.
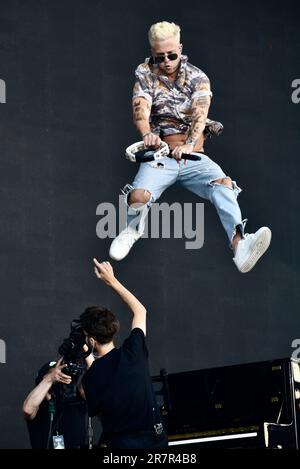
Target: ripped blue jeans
196 176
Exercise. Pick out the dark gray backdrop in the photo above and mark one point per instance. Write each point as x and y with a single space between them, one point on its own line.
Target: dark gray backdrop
68 67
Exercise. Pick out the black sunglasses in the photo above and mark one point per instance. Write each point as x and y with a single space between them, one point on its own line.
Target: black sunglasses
159 59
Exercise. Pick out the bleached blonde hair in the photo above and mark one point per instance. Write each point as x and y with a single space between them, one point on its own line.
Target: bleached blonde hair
163 30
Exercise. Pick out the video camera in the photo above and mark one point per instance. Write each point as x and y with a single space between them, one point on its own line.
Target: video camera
72 351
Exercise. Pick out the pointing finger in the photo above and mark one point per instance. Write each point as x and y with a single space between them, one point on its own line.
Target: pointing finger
96 262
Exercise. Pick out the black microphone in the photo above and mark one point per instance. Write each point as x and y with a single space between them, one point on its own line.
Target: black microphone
191 156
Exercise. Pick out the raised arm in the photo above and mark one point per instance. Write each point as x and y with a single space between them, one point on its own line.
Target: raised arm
104 271
41 391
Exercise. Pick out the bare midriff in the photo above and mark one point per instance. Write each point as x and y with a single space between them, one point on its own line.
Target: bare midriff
180 139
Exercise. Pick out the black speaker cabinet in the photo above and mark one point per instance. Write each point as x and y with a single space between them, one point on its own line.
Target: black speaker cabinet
241 406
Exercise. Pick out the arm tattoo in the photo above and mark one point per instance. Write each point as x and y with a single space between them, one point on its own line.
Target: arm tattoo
140 111
139 114
199 110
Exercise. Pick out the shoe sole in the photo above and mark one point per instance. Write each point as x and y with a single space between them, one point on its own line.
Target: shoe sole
261 245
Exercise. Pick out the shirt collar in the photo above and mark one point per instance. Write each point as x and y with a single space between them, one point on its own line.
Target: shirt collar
181 77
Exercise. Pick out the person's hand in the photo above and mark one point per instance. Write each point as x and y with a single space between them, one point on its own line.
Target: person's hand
104 271
180 149
151 140
56 375
85 348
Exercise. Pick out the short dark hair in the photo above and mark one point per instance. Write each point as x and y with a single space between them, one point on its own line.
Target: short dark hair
100 323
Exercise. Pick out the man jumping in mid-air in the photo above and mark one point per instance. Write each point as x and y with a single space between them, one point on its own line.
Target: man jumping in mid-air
171 99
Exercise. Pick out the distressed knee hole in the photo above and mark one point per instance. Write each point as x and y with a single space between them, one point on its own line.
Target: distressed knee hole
224 182
139 196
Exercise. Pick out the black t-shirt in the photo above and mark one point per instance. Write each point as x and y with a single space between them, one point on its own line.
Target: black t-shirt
70 420
118 388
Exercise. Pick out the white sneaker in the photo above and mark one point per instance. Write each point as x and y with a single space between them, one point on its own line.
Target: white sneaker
251 248
122 244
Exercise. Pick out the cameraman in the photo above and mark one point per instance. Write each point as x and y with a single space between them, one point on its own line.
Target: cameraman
56 409
118 385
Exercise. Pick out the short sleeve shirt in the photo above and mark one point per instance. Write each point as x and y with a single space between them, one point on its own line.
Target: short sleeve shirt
118 387
170 100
